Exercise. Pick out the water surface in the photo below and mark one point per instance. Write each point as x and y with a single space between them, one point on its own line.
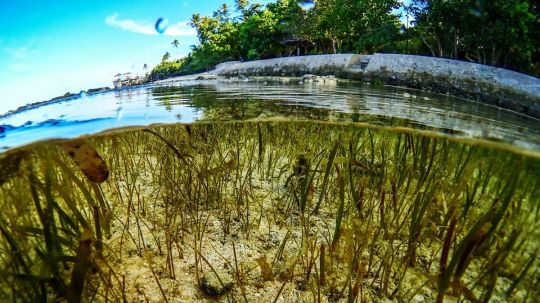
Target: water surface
190 101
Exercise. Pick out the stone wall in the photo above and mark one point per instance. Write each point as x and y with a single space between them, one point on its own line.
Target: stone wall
288 66
496 86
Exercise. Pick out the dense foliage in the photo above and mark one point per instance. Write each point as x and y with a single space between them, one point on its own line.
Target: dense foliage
497 32
503 33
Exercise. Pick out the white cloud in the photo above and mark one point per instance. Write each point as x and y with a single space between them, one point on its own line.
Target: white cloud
146 28
180 29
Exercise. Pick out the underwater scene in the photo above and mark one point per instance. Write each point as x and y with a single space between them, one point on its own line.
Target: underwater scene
271 193
281 151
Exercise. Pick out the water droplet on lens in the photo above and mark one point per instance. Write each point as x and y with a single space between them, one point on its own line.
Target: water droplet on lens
161 25
119 113
306 5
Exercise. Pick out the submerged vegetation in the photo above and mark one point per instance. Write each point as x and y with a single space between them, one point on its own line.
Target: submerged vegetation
271 212
498 32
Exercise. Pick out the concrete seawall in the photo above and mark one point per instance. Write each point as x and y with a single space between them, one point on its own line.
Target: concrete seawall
496 86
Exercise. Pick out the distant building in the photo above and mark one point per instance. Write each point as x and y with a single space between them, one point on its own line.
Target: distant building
125 79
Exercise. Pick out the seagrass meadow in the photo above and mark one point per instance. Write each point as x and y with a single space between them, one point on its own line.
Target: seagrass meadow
269 211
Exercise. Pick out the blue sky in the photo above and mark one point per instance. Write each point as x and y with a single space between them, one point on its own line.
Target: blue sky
48 48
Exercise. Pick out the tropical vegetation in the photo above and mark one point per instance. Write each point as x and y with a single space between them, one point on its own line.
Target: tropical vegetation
496 32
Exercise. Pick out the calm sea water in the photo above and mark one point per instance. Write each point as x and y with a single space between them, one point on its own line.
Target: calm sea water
191 101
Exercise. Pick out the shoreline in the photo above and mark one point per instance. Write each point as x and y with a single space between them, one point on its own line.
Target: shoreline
491 85
503 88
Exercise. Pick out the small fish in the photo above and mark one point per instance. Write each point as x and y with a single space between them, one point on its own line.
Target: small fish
87 159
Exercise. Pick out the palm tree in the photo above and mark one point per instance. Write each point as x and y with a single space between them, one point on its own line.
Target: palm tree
166 57
175 43
195 21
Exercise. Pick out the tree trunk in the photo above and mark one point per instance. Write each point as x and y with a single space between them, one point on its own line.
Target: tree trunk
455 52
427 44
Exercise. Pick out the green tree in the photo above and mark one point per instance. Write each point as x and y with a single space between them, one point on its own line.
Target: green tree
166 57
497 32
336 26
218 38
167 69
344 23
260 36
247 9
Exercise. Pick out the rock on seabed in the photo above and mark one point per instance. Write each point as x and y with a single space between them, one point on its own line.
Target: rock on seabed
214 286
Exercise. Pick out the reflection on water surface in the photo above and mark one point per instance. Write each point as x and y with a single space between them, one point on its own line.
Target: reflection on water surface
243 100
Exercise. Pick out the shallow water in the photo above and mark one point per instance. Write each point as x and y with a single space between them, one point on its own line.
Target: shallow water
191 101
155 211
422 198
